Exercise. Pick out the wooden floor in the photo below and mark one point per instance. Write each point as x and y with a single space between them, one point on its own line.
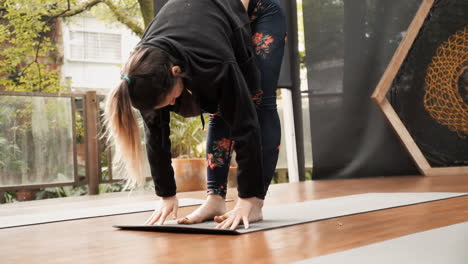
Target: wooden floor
95 241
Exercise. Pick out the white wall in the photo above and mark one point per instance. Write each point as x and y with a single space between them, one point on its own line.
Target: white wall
96 73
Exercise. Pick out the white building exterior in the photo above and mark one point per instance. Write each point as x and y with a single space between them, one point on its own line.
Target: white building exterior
94 52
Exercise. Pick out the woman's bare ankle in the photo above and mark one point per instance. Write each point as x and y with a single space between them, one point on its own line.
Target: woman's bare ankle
214 205
215 197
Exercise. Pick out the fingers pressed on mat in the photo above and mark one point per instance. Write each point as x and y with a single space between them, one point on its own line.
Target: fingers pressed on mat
236 222
245 220
225 224
220 225
155 218
163 217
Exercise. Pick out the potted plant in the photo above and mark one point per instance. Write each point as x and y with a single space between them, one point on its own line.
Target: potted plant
187 147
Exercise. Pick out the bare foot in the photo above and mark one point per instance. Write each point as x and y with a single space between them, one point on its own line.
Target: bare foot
213 205
254 216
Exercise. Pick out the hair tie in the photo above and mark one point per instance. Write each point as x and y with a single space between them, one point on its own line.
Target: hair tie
127 79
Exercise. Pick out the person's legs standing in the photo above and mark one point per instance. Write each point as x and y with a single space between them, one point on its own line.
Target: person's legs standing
268 26
218 154
269 36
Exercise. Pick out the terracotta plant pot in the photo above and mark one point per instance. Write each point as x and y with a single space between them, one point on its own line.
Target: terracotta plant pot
190 174
81 154
25 195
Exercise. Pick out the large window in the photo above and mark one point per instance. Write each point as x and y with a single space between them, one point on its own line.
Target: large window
36 140
95 46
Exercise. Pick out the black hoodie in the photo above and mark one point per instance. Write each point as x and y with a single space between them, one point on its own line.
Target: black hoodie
212 40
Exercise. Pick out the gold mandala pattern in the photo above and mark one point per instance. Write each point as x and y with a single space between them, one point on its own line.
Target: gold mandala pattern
442 98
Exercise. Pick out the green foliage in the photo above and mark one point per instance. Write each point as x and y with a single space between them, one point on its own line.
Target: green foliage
29 56
9 197
26 59
118 187
30 60
63 191
10 156
111 187
118 12
79 128
10 131
187 137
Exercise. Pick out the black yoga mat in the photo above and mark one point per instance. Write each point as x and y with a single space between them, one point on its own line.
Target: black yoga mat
298 213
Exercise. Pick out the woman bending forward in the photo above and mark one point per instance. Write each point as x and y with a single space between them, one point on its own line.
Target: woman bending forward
204 56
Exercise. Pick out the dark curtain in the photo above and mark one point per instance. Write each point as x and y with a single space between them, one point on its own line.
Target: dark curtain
349 44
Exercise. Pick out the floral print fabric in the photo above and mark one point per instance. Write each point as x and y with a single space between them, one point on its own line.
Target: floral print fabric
221 151
262 43
268 25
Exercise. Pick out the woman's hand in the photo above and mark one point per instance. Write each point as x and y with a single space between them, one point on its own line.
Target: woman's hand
247 210
166 206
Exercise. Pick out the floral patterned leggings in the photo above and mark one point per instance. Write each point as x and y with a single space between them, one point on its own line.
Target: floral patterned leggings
268 26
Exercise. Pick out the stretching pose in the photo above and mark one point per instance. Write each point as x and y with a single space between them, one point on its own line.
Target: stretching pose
215 56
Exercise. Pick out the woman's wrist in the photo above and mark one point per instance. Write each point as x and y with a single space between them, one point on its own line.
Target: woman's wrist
168 197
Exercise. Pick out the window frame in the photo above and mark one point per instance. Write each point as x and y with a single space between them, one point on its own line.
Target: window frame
69 44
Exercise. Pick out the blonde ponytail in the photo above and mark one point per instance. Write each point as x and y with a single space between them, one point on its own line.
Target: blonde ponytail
122 132
149 71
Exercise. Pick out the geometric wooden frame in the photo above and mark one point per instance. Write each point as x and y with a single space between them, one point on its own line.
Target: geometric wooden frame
379 97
